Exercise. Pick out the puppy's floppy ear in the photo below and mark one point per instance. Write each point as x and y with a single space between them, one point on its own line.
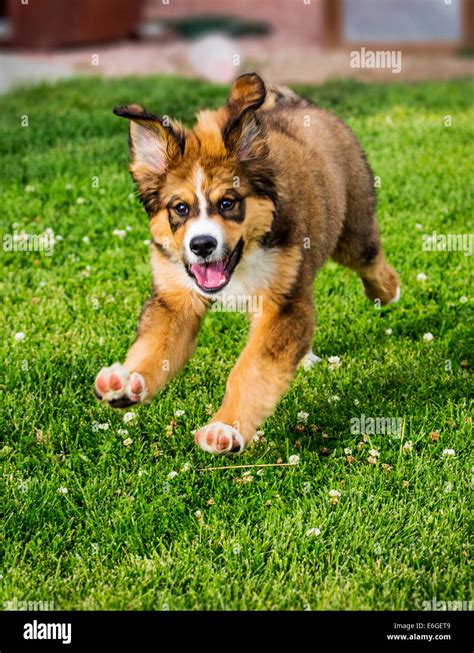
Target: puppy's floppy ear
243 133
154 142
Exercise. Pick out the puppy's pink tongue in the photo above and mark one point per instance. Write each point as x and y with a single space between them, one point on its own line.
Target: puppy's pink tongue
209 275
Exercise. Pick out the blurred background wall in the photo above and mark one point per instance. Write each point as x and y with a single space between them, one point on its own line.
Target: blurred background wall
48 23
286 40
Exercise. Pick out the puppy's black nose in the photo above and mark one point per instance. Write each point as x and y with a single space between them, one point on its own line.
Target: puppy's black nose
203 245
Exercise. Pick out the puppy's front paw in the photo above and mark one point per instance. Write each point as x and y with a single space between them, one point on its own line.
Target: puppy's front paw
118 387
219 438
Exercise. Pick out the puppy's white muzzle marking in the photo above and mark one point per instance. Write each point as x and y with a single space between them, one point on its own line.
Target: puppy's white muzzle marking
203 226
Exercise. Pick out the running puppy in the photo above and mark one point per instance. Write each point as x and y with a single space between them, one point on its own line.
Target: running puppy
251 202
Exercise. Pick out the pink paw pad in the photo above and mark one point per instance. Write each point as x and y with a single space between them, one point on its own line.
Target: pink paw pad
219 438
114 382
118 387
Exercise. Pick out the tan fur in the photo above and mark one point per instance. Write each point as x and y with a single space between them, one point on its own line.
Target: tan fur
264 370
304 194
166 338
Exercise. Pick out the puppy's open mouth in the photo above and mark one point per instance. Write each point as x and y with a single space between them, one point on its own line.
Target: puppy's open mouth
213 276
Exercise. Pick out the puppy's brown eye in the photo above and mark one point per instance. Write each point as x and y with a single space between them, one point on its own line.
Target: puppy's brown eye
226 204
182 209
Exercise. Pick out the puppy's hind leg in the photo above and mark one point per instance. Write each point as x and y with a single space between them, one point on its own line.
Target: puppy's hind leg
359 248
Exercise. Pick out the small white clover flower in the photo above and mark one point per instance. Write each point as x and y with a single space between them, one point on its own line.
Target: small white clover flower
294 460
356 402
80 200
408 445
302 416
463 299
334 399
99 427
86 239
127 442
129 417
172 474
18 337
374 453
421 277
58 238
389 332
147 241
448 487
62 490
198 514
179 412
348 451
312 532
310 360
428 337
449 452
334 362
334 493
30 189
419 226
186 467
122 432
260 472
24 486
120 233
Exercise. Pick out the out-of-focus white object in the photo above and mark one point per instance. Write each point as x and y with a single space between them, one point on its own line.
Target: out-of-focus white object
213 56
18 70
151 29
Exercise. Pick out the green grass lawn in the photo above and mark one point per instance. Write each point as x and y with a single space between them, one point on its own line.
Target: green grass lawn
91 523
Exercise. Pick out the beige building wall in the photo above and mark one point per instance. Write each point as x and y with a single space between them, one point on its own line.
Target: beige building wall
299 20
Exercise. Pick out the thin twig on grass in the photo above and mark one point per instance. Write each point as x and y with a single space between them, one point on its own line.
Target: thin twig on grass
211 469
